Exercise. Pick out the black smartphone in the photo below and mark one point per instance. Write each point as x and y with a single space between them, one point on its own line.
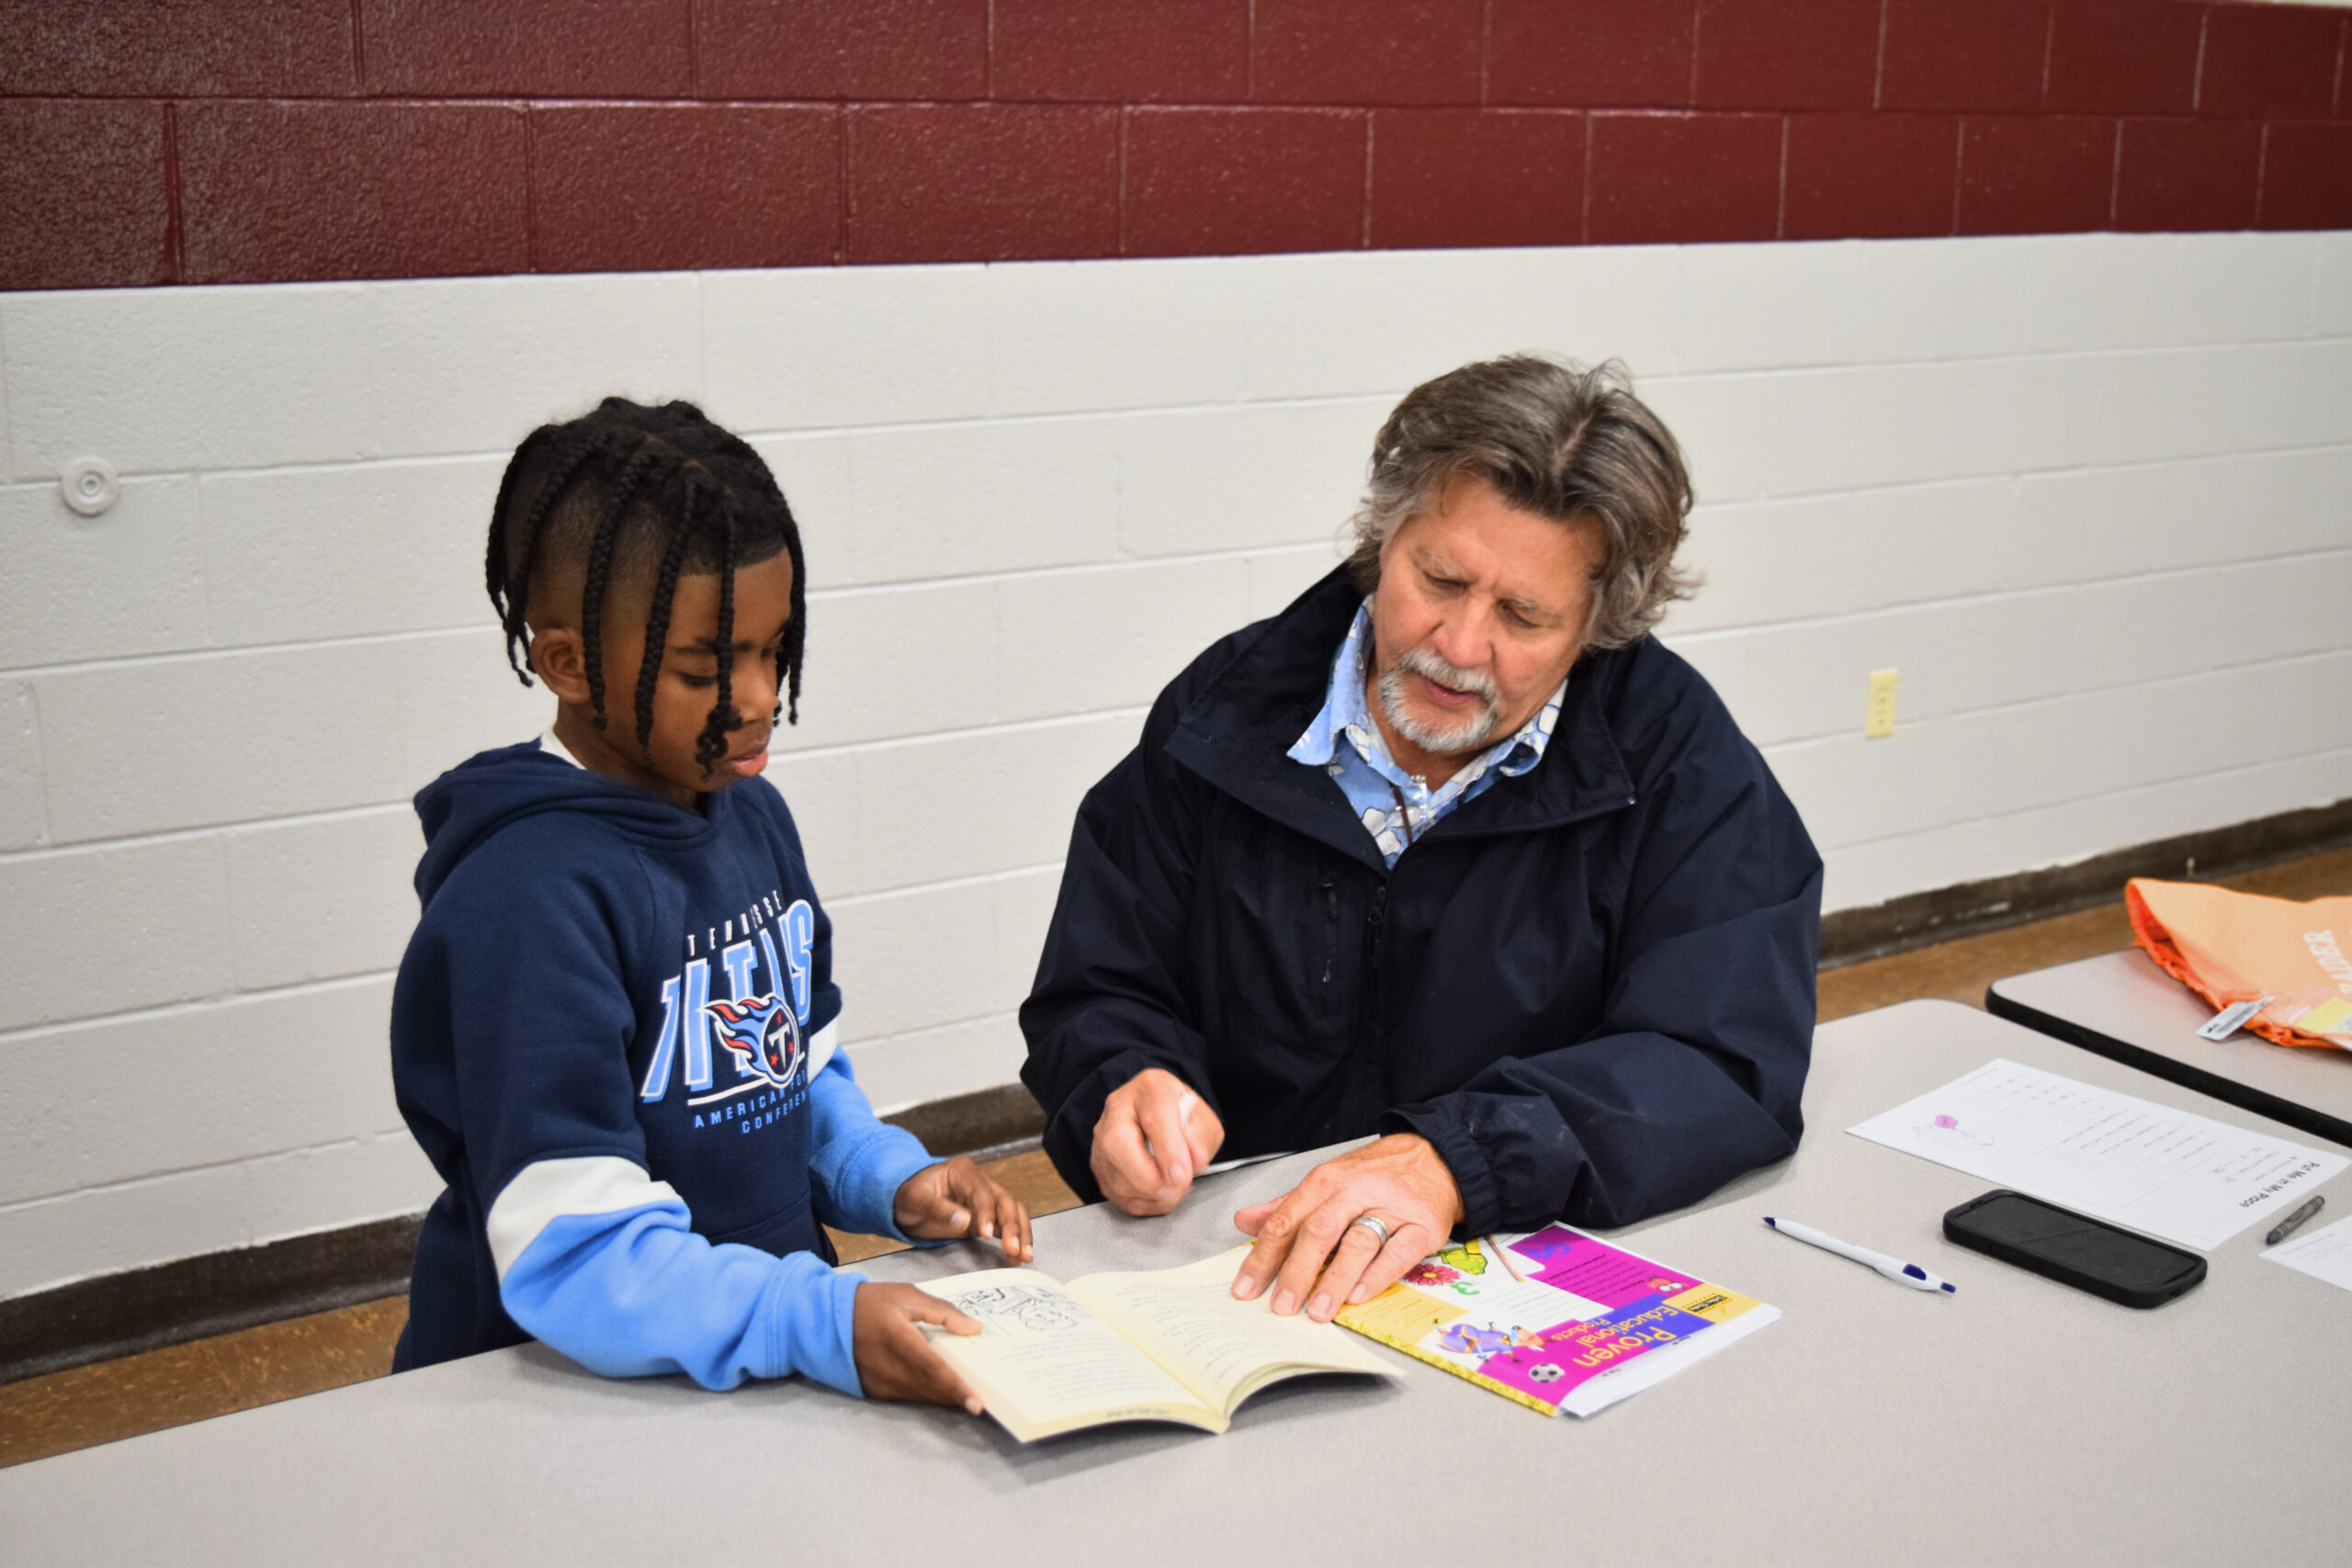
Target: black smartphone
2074 1250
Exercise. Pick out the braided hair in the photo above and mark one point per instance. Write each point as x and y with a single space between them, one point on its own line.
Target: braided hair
631 494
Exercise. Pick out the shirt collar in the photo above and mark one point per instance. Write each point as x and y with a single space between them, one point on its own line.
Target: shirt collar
1344 715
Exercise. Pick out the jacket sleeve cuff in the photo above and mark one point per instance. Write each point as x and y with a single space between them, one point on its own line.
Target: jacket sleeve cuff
812 1330
859 1161
1448 1132
875 1172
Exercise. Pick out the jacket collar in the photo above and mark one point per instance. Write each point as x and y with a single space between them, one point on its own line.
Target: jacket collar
1237 732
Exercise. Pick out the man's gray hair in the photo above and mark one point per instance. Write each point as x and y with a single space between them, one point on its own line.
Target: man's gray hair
1556 439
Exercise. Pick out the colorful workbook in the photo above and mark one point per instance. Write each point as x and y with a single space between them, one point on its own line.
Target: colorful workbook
1564 1322
1168 1346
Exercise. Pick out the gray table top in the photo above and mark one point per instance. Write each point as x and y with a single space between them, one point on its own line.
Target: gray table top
2122 1006
2016 1420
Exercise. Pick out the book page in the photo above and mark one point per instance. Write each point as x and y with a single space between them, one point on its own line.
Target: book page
1045 1363
1224 1349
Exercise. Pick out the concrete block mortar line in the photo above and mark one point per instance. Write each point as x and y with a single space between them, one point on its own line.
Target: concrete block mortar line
816 595
2148 787
1125 563
945 884
39 483
2125 468
2000 596
373 315
41 765
1806 742
867 1042
207 597
357 1140
967 732
1765 495
402 805
1906 842
10 1037
176 835
2121 465
190 655
894 1036
1106 413
1988 361
153 1177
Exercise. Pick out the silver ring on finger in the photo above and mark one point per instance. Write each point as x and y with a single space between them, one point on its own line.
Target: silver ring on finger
1375 1224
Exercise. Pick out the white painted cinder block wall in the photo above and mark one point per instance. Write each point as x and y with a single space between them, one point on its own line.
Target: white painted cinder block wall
2091 495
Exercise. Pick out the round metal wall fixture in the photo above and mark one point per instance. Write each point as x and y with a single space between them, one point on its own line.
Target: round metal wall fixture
90 485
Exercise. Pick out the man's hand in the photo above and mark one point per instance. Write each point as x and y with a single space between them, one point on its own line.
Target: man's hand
1311 1230
1153 1138
956 1198
893 1359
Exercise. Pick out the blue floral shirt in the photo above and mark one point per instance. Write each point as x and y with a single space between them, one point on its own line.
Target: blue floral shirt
1394 807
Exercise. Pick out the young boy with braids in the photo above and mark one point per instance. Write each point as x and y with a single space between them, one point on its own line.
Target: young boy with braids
613 1030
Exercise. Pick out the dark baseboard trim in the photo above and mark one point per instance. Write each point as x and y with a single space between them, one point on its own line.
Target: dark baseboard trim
193 1298
167 1304
984 1123
1970 908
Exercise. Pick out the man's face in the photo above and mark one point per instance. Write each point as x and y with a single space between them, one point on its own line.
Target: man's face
1481 609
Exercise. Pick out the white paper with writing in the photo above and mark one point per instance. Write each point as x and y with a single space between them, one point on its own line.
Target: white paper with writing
2170 1173
2324 1254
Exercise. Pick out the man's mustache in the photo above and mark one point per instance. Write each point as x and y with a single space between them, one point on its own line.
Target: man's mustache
1432 666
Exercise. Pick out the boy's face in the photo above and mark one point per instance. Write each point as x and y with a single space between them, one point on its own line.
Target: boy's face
687 688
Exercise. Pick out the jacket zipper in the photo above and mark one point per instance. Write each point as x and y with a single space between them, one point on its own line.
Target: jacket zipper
1376 924
1331 906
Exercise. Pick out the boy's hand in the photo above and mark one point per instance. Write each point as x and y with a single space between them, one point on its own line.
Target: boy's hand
956 1198
893 1359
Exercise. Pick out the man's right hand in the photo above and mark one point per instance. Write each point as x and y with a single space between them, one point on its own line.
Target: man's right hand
1154 1137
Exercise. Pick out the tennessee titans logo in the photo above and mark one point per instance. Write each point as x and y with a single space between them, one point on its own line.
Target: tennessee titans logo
762 1036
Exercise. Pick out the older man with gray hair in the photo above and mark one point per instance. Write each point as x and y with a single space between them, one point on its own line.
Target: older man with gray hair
1450 852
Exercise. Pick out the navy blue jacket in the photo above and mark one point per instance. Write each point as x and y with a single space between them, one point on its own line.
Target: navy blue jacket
1591 988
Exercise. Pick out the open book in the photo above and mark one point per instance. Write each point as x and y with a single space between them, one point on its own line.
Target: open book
1556 1320
1168 1346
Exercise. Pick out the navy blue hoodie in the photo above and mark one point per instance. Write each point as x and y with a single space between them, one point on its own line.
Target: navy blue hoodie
611 1035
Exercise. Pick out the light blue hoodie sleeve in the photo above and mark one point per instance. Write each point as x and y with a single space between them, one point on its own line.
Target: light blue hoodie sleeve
601 1262
856 1161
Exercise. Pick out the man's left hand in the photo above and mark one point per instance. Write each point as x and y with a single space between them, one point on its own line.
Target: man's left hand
1311 1230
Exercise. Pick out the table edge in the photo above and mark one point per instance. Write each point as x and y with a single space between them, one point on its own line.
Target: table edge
2156 1064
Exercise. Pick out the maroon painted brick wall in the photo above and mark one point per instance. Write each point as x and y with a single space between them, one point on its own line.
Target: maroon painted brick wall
146 141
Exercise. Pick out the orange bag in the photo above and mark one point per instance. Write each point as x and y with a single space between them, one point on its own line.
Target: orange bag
2238 947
